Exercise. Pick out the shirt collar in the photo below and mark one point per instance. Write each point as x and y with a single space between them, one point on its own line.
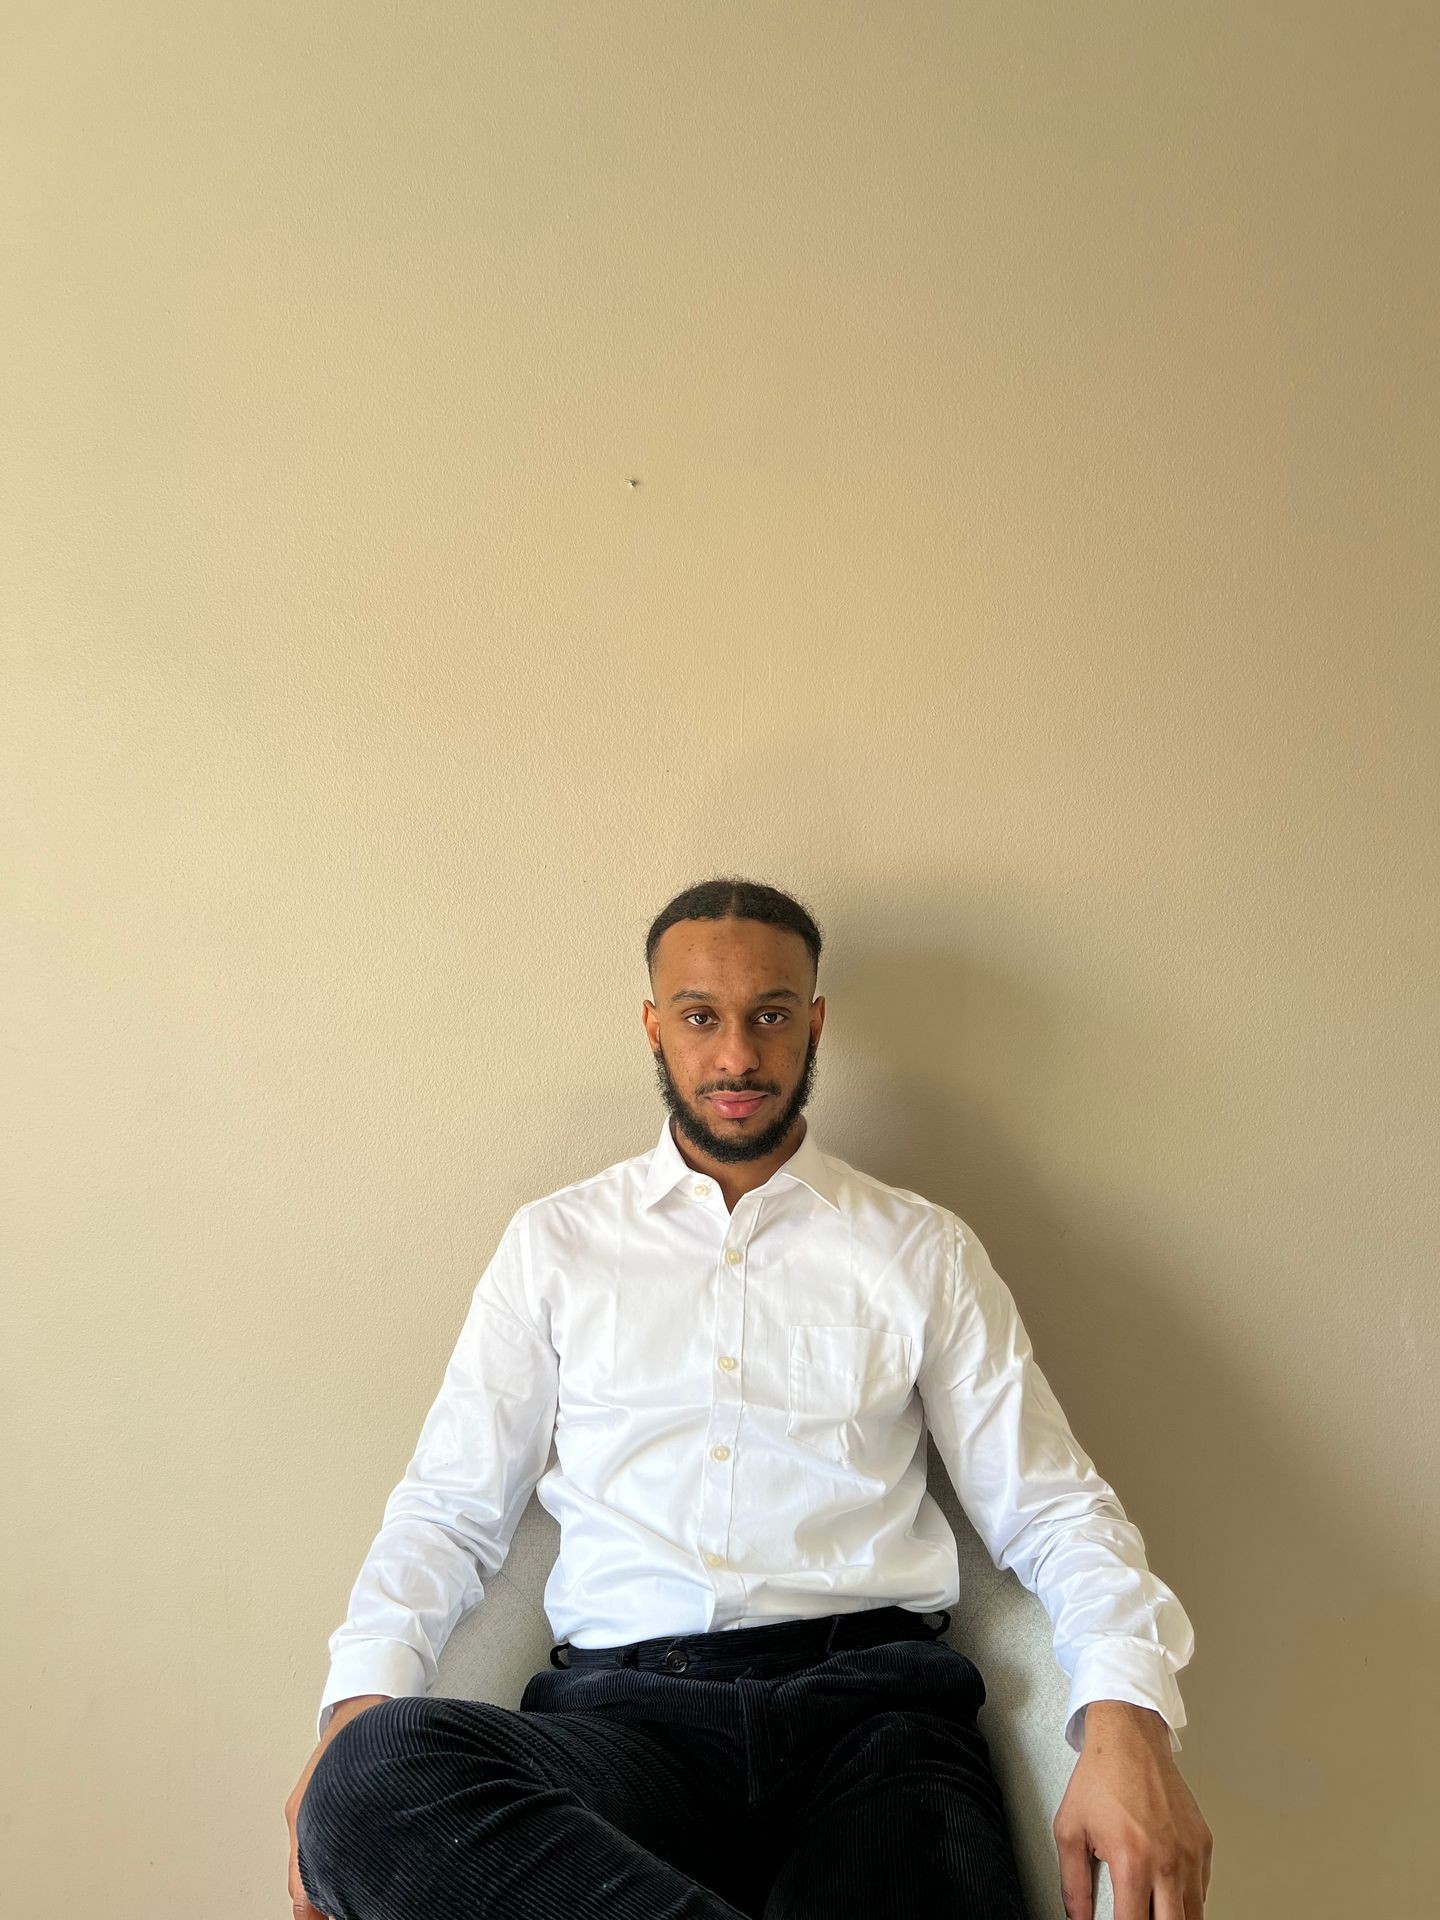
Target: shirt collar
807 1165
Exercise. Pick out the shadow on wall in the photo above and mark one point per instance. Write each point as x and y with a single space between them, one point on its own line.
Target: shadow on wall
1306 1590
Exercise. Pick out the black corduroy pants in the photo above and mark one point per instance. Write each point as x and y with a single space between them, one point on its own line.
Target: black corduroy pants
821 1767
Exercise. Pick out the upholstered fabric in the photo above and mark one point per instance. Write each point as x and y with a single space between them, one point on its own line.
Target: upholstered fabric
1004 1630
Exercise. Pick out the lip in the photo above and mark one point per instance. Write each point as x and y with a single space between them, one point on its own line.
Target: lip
736 1106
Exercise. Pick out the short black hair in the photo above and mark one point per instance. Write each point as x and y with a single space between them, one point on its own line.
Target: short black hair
728 897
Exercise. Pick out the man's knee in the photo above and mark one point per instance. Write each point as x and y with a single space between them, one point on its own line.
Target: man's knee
354 1793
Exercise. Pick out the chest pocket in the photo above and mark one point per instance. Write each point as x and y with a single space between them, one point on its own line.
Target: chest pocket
841 1377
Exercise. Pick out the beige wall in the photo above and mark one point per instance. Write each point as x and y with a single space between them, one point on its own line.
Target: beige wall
1034 565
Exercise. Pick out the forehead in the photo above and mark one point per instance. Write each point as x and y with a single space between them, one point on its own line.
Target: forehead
715 953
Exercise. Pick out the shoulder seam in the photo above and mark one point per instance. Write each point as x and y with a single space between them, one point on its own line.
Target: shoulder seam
887 1186
578 1186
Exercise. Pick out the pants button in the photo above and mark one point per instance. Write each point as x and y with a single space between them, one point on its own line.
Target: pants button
676 1660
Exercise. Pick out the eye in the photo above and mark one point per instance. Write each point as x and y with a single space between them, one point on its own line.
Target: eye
765 1013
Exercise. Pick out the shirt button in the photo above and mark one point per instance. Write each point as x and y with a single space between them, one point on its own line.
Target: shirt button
720 1453
727 1361
700 1189
714 1560
733 1256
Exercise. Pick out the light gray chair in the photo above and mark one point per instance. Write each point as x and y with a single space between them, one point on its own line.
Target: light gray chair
1003 1628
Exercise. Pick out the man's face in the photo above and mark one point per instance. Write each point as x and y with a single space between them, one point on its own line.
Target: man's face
732 1014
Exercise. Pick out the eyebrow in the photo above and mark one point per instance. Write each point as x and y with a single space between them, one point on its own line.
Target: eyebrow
698 993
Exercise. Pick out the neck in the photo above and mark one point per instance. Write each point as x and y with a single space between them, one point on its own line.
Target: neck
737 1177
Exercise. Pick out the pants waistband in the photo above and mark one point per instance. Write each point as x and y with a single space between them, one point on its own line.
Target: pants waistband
798 1640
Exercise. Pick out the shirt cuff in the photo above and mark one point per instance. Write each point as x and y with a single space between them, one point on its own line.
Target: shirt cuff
1133 1670
369 1666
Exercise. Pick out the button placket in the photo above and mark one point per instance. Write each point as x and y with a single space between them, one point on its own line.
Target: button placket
717 1483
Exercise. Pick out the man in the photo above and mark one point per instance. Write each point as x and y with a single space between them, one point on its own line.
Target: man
737 1342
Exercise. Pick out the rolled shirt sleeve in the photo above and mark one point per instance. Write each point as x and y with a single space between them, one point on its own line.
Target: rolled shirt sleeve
1036 1500
448 1525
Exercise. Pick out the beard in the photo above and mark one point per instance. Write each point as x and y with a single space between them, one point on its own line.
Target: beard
734 1147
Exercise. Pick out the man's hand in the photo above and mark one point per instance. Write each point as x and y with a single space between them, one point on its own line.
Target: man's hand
345 1710
1129 1806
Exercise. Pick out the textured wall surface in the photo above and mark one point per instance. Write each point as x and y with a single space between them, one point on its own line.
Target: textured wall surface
1033 564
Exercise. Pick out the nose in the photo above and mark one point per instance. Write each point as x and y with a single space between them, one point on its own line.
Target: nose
736 1053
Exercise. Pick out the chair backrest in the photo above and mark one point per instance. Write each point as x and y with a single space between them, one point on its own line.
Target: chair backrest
1003 1628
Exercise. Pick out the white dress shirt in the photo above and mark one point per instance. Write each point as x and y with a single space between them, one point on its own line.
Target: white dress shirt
738 1404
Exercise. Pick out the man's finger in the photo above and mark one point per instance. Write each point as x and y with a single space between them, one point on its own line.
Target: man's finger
1130 1884
1168 1897
300 1900
1195 1893
1076 1877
